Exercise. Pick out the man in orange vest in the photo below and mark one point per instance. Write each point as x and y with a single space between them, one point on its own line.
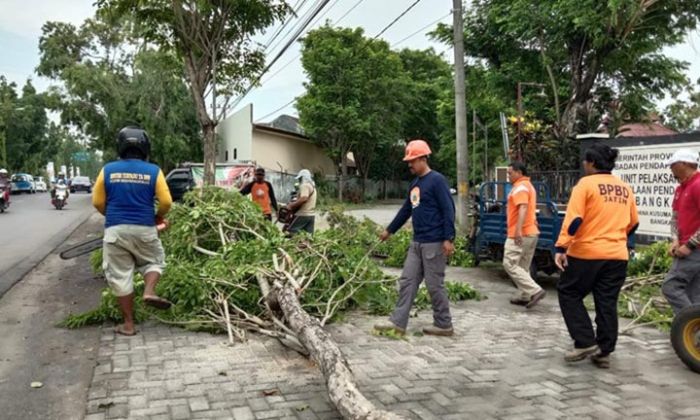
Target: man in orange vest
262 193
522 236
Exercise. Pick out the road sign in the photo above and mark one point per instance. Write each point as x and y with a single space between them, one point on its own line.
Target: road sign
81 156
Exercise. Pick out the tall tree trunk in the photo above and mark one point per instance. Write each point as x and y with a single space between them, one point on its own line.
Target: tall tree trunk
209 154
585 69
197 84
364 186
343 176
552 78
569 118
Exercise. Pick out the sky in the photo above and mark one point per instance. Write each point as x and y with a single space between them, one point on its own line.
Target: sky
21 22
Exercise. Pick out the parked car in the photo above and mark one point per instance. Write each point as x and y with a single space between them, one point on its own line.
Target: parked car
179 182
22 183
80 183
40 184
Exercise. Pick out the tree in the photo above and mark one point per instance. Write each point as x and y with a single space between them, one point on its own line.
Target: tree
430 80
354 96
110 80
684 115
69 149
24 127
168 112
588 52
382 100
213 40
8 100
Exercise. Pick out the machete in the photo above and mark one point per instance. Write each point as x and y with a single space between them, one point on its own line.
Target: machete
94 244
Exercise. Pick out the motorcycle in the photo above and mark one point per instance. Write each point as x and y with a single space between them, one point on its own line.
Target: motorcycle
59 198
4 198
286 216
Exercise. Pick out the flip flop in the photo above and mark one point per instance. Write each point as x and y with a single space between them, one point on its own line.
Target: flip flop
119 329
157 302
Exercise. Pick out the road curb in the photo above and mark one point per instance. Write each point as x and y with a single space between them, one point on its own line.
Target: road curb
15 273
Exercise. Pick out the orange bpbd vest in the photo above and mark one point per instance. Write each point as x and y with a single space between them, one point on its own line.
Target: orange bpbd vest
261 196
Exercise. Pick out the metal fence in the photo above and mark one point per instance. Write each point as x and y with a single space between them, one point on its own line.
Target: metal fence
560 183
283 184
374 190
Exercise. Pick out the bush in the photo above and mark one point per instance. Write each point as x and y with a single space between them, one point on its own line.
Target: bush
653 259
642 299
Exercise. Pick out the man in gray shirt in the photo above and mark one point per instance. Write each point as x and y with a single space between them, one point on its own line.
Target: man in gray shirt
304 208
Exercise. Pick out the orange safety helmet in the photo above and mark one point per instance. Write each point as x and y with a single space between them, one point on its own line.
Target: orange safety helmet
416 149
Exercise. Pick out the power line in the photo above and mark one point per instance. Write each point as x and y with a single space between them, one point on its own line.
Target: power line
285 65
348 12
397 18
296 35
392 23
323 14
296 24
277 110
281 68
299 4
421 30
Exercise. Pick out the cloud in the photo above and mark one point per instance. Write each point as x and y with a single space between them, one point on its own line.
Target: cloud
25 19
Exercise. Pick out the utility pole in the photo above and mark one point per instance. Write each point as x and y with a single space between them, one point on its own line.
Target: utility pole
460 118
474 166
518 139
486 154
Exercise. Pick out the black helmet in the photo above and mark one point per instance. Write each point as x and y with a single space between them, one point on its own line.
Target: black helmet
132 139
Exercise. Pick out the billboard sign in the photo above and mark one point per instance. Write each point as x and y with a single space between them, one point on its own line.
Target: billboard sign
643 166
228 176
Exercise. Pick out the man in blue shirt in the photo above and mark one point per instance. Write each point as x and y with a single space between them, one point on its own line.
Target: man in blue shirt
429 204
125 192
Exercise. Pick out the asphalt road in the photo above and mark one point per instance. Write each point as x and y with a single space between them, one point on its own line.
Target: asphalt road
31 228
34 349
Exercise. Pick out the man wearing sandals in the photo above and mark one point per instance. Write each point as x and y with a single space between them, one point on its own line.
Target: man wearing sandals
125 192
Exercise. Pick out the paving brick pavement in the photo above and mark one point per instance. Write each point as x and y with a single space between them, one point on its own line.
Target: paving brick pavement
504 362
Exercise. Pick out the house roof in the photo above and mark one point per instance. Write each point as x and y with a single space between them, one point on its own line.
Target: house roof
284 124
640 129
288 123
286 133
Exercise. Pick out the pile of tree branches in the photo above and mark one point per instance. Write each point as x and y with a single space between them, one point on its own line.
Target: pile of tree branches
641 298
392 253
219 246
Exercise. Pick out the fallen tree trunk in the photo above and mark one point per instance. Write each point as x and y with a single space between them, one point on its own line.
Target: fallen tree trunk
340 381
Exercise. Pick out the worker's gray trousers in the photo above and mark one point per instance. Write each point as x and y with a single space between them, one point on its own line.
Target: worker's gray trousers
424 261
682 284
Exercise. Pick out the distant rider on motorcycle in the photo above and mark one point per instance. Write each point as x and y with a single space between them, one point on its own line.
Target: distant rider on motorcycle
61 180
5 184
